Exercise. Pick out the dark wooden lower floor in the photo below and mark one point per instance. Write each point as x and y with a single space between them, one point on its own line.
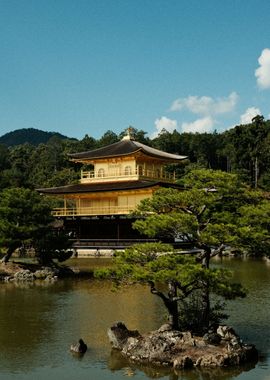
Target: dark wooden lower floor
105 232
101 228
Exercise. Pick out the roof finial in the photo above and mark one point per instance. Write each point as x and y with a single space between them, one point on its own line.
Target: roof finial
129 135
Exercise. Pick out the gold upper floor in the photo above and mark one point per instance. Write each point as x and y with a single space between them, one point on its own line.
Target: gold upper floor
125 170
95 176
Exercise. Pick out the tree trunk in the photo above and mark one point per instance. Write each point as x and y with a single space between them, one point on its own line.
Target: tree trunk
206 307
44 258
170 302
8 255
172 305
173 318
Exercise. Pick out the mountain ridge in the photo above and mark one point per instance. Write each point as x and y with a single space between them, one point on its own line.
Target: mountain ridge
32 136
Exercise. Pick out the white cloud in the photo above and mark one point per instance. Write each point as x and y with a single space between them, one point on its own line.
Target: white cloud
205 124
206 108
205 105
249 114
262 73
164 123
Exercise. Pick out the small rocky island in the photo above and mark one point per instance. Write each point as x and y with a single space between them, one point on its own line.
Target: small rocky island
26 272
171 348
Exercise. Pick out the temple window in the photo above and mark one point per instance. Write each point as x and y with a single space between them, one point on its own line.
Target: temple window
101 172
140 170
128 170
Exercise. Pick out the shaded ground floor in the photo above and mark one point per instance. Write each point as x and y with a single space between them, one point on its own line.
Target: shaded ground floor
103 232
94 235
101 227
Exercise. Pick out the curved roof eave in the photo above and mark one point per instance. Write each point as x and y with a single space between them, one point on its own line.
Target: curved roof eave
101 157
95 188
124 148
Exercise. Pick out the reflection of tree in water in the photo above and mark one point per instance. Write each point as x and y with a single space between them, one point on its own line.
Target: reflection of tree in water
100 307
27 320
117 362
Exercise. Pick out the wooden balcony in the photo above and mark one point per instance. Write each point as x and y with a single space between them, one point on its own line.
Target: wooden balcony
139 173
93 211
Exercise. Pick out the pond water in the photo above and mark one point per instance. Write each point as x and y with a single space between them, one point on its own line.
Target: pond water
39 322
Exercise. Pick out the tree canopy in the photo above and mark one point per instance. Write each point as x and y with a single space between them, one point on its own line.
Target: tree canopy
212 211
175 278
25 219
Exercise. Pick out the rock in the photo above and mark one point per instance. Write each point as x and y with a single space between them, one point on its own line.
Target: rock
212 338
226 332
24 275
79 348
46 273
165 327
167 347
183 362
30 272
211 360
119 334
187 339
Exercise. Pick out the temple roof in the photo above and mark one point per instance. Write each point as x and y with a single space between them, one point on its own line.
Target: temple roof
125 147
103 187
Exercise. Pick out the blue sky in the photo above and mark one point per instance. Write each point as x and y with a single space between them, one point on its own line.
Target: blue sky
84 67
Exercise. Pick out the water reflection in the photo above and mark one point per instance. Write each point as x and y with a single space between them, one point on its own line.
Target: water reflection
27 324
39 322
118 362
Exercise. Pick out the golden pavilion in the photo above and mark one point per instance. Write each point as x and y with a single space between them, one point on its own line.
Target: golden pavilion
96 211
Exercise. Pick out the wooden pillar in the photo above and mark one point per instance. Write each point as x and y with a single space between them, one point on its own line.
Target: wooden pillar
65 205
118 231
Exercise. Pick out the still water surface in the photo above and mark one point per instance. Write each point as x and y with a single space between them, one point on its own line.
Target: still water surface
39 322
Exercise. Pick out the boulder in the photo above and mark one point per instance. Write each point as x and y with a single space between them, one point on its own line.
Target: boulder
118 335
212 338
47 274
24 275
79 348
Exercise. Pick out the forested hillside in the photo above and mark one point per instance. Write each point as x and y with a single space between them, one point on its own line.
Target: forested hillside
244 150
28 135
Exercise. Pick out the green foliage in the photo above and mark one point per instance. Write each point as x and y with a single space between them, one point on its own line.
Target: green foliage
214 209
172 225
178 279
20 167
25 219
108 138
131 265
52 245
253 234
243 150
247 149
28 135
138 135
190 313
